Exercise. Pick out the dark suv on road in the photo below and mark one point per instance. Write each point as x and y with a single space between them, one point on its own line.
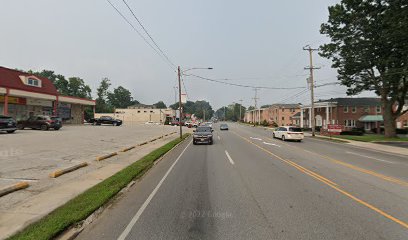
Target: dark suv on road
40 122
203 134
7 124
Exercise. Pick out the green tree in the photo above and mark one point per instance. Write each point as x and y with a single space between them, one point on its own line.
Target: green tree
120 97
369 48
102 105
78 88
58 80
202 108
160 105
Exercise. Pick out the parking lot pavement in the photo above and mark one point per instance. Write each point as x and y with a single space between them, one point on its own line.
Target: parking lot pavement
31 155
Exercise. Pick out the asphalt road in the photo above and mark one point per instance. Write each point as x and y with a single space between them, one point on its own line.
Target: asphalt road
249 186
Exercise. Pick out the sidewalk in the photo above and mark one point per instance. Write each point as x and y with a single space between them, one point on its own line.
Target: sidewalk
368 145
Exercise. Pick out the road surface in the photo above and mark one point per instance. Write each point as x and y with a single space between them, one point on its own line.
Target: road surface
249 186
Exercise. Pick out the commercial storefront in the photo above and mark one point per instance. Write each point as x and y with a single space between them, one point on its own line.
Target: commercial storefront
23 95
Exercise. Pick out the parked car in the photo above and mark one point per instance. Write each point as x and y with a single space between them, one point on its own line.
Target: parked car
107 120
223 126
203 134
7 124
40 122
288 133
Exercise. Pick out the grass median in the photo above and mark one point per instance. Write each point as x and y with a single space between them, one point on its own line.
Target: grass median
86 203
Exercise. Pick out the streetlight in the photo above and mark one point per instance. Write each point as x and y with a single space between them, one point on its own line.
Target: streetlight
179 74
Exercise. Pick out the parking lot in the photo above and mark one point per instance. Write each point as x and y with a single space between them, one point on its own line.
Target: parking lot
32 154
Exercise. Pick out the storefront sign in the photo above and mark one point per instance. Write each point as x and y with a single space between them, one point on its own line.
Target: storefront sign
14 100
39 102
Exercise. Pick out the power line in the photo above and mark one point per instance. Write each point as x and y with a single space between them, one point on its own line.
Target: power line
151 38
242 85
137 31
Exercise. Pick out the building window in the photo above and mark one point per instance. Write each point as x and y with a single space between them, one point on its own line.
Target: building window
367 109
350 123
138 111
345 109
354 109
378 109
145 111
33 82
283 118
283 109
151 111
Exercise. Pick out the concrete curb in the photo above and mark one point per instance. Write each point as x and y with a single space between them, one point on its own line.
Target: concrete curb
141 144
13 188
100 158
60 172
127 149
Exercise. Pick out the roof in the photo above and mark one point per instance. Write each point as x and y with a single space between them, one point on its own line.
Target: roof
363 101
10 78
286 105
371 118
297 115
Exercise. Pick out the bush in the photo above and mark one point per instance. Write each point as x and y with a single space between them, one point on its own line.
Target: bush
402 131
352 133
265 123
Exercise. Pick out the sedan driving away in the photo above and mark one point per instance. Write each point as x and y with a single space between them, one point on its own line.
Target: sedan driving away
223 126
289 133
203 134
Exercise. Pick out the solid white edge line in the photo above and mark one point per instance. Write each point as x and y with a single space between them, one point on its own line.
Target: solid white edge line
229 158
135 218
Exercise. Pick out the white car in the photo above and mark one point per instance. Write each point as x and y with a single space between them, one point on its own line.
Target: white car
288 133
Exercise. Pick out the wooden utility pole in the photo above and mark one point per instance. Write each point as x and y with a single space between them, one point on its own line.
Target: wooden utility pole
311 80
180 105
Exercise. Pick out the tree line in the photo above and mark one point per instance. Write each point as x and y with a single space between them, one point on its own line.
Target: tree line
106 100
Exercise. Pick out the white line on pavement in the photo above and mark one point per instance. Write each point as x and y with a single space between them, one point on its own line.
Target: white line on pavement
272 144
370 157
129 227
229 157
255 138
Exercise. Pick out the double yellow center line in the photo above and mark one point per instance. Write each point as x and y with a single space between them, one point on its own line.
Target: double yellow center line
327 182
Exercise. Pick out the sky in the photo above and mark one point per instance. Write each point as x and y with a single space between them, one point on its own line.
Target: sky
255 43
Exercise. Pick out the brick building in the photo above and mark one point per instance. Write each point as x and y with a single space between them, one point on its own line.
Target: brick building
23 94
350 112
279 114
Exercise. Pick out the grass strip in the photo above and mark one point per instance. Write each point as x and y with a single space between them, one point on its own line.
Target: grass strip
373 138
332 139
80 207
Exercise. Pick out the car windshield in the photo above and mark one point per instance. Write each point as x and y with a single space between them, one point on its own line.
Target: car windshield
295 129
203 129
224 125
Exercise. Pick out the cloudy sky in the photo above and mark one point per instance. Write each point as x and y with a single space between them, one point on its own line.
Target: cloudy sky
256 43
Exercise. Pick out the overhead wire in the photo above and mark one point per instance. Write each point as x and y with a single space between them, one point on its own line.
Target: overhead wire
148 34
141 35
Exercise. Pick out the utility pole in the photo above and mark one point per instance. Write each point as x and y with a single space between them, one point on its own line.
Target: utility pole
180 107
258 119
204 114
311 68
240 107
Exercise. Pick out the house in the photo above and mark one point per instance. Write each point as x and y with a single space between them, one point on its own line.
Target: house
24 94
349 112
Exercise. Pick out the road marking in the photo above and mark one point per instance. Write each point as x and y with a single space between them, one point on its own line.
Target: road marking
330 184
219 138
381 160
129 227
229 157
363 170
272 144
255 138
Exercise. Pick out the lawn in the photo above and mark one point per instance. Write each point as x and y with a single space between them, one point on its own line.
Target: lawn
372 138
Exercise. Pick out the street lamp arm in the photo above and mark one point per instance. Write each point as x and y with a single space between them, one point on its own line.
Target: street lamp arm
196 68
